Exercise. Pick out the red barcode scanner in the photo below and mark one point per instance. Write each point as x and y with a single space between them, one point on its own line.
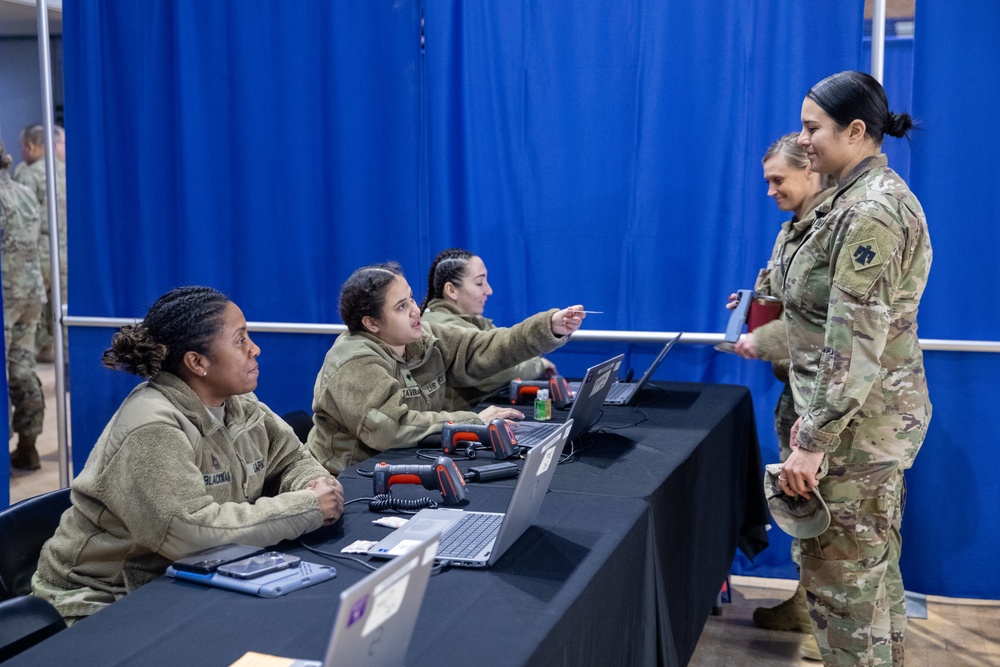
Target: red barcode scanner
443 475
497 435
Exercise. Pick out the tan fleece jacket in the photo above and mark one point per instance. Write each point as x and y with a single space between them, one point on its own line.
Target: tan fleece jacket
368 400
441 311
166 480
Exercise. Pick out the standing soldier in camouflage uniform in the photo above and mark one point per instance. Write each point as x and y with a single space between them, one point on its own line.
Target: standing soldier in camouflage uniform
852 291
31 173
796 188
23 296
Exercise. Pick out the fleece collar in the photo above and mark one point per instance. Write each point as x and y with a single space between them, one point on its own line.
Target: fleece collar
182 397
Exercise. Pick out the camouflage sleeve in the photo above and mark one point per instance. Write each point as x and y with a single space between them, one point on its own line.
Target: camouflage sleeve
866 268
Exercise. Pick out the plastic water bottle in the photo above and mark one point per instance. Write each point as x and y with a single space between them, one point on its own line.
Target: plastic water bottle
543 406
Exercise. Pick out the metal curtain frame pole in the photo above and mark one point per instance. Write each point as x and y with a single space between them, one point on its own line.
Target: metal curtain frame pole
690 338
45 67
878 39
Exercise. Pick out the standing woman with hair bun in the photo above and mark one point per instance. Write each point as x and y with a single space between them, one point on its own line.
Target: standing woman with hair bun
191 460
457 289
852 292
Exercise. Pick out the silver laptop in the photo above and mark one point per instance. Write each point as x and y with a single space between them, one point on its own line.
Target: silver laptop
588 403
377 615
478 539
622 392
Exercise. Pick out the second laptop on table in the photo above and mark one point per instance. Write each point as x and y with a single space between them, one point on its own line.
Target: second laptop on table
478 539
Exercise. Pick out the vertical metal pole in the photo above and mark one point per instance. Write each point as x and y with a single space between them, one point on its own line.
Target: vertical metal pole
45 65
878 39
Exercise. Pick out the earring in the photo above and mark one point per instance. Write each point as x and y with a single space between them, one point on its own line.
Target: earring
204 373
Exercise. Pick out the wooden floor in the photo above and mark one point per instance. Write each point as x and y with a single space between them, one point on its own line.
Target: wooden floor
957 632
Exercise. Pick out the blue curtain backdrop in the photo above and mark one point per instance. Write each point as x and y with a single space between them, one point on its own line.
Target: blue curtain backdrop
950 518
606 153
898 83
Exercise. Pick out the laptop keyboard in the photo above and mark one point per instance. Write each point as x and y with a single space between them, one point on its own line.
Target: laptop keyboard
529 434
468 537
618 392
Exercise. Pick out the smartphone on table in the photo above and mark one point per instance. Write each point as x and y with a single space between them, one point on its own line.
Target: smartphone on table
207 561
248 568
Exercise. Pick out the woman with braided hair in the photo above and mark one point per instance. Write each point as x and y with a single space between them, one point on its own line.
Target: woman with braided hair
191 460
457 289
382 385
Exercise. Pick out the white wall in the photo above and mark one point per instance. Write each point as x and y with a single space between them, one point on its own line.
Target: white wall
21 88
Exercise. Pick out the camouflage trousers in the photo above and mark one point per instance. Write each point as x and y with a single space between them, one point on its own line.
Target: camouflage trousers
72 604
784 419
45 337
851 572
26 408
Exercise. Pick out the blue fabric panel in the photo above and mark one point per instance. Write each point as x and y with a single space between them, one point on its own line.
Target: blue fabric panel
949 546
897 70
609 154
605 153
949 537
265 148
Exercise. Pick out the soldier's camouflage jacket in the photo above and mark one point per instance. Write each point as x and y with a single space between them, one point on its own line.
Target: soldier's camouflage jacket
20 222
851 293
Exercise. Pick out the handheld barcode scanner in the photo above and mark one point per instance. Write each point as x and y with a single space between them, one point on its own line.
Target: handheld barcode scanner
443 475
524 391
496 434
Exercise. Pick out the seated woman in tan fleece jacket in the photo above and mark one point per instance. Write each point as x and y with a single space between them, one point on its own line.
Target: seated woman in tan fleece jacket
191 460
457 290
383 383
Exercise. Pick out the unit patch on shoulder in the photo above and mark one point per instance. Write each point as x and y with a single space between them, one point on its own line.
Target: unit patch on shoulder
867 251
865 254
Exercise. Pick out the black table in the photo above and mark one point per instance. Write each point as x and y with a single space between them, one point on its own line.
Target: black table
691 452
629 551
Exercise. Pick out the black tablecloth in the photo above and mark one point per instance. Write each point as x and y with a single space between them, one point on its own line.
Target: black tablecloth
629 551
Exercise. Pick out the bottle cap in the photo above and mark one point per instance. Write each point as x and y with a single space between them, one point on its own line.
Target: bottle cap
543 394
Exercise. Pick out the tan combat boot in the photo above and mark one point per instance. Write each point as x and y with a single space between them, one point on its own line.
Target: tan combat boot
809 649
791 615
25 457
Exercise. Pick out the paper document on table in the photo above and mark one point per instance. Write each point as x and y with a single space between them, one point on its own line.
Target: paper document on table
253 659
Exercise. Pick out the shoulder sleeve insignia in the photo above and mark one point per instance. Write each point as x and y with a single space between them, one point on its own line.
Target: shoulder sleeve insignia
867 251
865 254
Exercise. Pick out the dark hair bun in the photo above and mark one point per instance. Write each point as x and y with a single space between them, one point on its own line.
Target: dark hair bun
134 351
898 124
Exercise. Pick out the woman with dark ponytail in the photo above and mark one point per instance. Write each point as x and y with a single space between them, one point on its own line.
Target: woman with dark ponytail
191 460
457 289
852 291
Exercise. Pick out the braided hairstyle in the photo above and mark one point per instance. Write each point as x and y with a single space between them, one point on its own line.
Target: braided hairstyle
448 267
363 293
182 320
